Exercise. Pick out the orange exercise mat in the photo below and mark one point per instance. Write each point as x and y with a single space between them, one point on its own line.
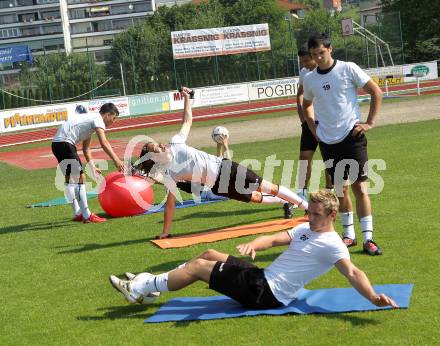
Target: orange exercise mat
228 233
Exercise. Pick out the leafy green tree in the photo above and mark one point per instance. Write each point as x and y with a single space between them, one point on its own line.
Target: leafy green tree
57 73
420 27
145 52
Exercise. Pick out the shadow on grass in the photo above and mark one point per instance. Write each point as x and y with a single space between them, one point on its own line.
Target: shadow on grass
127 312
355 321
344 317
121 312
32 227
229 213
96 246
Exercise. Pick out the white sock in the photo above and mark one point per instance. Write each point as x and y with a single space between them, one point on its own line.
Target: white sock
367 227
269 199
347 225
292 197
81 196
155 283
69 193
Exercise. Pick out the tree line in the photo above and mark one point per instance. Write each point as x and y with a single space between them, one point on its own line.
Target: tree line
144 51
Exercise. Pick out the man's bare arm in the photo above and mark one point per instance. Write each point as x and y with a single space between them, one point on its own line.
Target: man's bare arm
360 282
376 99
263 243
187 112
309 116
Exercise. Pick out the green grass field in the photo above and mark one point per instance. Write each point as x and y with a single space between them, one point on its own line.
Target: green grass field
54 273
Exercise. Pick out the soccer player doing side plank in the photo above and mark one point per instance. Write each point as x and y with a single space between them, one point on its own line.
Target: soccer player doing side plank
313 249
176 162
332 113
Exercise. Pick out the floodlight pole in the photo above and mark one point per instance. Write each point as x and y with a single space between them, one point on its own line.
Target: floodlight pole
175 73
3 94
401 38
123 81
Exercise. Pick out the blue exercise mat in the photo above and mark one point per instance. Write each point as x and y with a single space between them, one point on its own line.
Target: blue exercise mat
59 201
154 209
321 301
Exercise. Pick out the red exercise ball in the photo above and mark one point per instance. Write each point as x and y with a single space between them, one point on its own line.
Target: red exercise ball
121 195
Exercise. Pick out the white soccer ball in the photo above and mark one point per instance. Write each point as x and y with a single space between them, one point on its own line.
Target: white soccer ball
218 132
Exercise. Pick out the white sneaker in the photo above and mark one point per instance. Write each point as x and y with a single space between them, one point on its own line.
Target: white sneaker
124 287
150 297
129 276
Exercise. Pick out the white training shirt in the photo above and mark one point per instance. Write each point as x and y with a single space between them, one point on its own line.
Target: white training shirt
334 96
190 164
302 74
79 129
309 255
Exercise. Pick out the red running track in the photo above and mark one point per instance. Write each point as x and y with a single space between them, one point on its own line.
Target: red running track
160 119
237 110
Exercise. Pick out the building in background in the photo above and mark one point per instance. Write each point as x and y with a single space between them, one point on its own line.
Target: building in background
47 26
333 5
170 3
297 10
369 10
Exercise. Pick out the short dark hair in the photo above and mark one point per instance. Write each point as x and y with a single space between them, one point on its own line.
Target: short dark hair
146 164
303 51
319 39
109 108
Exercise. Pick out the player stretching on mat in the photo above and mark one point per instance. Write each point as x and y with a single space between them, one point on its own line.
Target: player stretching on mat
176 161
314 248
63 147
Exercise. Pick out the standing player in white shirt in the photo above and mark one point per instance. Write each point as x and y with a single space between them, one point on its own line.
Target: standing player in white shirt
313 249
308 143
334 119
175 162
68 135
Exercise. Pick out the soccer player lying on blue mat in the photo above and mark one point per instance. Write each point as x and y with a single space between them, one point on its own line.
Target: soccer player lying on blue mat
314 248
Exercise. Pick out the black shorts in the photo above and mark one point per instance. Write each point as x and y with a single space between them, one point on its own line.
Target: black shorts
349 157
186 186
243 282
308 141
236 181
68 158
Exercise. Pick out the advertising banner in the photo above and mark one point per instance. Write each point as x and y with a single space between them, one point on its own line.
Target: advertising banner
149 103
12 54
235 93
220 41
34 117
94 106
273 88
53 115
203 97
404 73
